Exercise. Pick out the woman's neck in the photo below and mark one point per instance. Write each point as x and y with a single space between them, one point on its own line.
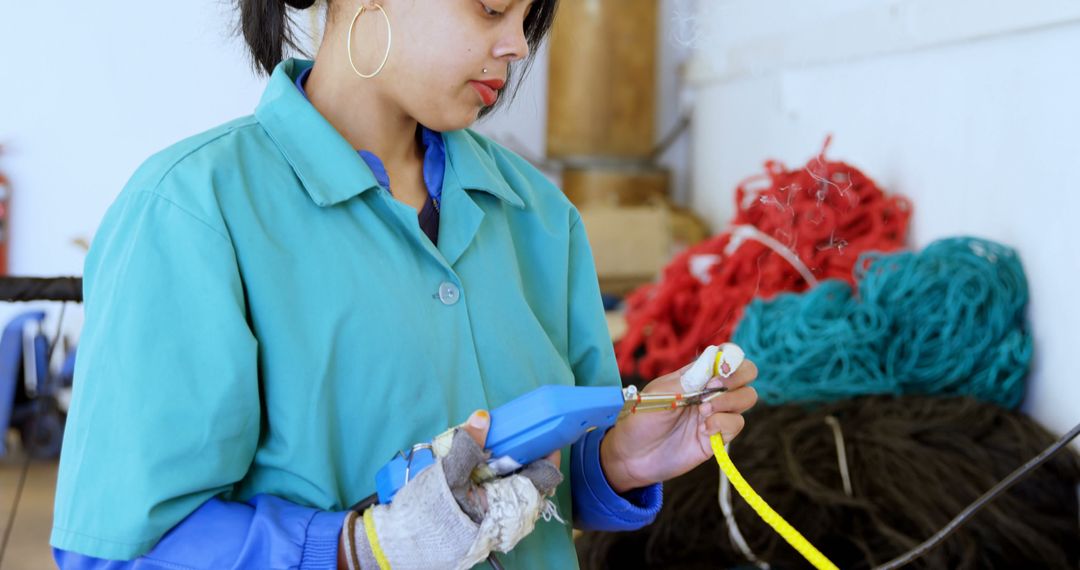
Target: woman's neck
369 122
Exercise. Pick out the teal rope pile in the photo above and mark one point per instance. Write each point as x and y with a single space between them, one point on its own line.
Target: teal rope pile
948 320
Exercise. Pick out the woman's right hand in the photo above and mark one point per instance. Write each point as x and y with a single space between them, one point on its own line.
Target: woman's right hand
479 430
477 427
442 519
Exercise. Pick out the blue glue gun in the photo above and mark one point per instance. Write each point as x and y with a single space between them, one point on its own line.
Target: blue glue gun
522 430
533 425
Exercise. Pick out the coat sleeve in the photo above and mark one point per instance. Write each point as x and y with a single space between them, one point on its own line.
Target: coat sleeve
165 414
596 505
266 532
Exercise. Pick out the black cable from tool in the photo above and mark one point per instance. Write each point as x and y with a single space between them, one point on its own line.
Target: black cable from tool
366 503
14 289
14 508
982 501
494 562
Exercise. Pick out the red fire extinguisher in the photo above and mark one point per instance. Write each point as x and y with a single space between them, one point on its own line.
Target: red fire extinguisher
5 202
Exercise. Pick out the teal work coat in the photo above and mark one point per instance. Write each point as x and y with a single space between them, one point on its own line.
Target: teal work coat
263 317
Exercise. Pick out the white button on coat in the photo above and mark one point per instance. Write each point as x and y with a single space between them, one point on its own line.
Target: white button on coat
448 293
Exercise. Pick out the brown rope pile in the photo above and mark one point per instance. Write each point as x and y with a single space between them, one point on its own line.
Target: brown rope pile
914 463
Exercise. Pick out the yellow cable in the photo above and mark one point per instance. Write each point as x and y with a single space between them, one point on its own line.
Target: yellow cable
767 514
812 555
373 541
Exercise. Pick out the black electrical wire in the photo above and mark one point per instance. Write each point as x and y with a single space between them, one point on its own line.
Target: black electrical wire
14 508
669 139
982 501
41 289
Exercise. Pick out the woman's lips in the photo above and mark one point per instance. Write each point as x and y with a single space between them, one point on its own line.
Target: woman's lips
488 93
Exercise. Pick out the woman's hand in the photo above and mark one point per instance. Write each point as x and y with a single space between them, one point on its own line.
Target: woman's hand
649 447
477 427
456 521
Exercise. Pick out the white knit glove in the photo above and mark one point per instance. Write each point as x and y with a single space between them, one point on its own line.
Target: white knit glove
442 519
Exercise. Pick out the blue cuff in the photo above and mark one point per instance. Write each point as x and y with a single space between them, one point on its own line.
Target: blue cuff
596 505
322 539
265 532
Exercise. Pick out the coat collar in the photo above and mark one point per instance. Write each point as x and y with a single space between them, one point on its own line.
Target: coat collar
331 170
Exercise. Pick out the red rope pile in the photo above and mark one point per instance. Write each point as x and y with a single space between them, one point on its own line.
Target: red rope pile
827 213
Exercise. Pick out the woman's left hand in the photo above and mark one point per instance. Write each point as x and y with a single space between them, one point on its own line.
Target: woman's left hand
649 447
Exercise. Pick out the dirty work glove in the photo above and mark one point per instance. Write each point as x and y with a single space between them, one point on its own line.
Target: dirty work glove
443 519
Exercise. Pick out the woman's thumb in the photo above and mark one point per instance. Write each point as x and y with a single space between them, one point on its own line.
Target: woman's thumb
477 426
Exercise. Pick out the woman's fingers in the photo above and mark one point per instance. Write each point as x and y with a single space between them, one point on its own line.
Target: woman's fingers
555 458
736 401
669 382
723 414
477 426
727 425
746 373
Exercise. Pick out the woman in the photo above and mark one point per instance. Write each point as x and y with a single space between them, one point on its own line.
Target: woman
278 305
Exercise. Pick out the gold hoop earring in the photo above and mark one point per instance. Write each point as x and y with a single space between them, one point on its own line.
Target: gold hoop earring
389 39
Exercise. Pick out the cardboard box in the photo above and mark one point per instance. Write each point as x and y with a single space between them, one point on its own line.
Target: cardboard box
630 245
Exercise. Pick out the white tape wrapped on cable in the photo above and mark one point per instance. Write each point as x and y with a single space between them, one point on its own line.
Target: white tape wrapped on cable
721 361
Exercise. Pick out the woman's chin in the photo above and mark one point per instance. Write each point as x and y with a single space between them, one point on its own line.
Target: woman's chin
454 122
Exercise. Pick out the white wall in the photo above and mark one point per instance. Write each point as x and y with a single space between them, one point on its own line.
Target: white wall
968 108
91 89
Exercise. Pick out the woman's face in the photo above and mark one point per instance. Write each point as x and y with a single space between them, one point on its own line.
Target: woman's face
439 52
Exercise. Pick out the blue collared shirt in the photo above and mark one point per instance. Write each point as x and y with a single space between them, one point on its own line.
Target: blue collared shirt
434 169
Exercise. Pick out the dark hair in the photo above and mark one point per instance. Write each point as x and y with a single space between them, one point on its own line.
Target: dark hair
266 27
537 25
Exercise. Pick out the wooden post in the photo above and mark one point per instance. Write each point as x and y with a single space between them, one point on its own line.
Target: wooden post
602 79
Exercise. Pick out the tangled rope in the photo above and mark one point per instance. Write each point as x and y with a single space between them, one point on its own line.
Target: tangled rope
822 216
948 320
912 462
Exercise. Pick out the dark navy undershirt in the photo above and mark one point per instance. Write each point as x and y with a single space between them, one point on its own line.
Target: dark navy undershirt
434 166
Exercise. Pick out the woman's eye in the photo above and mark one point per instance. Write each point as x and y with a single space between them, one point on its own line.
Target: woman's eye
489 11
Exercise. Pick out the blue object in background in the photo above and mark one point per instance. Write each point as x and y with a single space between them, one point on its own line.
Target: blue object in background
27 391
66 378
611 302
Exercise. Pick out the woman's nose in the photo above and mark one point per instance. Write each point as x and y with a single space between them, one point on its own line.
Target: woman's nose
512 44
